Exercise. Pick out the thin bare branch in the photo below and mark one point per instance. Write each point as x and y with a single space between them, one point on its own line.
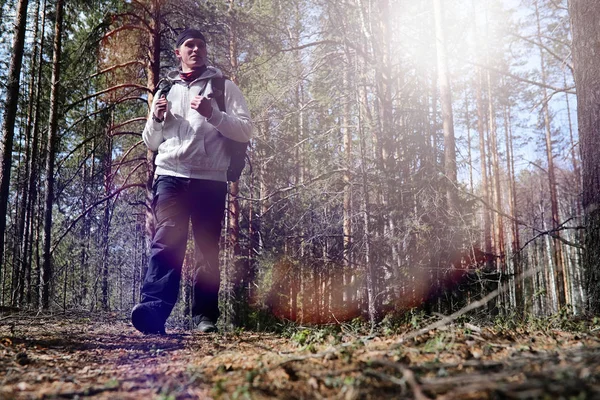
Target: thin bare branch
108 90
525 80
548 50
131 121
124 28
105 70
290 188
125 156
136 17
90 208
112 134
142 6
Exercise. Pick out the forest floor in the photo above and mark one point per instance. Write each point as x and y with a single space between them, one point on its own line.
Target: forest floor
104 357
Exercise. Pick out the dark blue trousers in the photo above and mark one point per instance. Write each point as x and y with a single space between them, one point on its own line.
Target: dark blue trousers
175 202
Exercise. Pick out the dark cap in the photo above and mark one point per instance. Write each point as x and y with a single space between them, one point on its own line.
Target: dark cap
189 33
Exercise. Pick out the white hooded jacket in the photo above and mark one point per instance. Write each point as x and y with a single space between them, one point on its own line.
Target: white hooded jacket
188 144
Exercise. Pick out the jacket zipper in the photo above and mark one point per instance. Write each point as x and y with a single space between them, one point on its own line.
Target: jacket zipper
185 114
186 96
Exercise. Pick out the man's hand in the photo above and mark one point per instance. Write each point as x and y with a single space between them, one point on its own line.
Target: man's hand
202 105
161 108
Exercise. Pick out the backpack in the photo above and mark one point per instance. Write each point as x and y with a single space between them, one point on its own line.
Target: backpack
236 150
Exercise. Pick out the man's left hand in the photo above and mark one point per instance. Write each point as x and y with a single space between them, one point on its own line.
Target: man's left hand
202 105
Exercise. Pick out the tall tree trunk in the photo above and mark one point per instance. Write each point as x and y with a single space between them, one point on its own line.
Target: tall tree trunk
37 235
499 223
347 199
376 42
512 199
18 201
107 166
479 104
469 140
30 142
487 240
551 282
576 265
380 44
10 115
368 264
586 54
85 240
31 215
557 254
265 137
379 151
573 145
153 77
233 228
2 4
446 99
15 259
46 271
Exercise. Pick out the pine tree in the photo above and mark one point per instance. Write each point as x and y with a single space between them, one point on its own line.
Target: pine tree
47 268
9 117
586 36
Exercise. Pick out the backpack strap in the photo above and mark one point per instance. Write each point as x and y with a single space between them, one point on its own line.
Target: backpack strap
218 85
163 86
236 150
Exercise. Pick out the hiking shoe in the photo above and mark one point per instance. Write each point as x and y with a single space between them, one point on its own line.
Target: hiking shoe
206 326
147 318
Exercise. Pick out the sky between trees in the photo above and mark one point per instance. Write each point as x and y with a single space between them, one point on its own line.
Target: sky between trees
349 181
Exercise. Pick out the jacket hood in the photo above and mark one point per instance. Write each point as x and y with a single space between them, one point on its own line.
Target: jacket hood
211 72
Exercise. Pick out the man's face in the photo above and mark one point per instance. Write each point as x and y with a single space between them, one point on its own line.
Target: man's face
192 54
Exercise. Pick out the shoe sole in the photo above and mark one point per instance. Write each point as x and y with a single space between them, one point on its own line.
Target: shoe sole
142 320
207 328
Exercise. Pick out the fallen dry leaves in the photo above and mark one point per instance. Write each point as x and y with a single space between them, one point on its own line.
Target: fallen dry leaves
105 358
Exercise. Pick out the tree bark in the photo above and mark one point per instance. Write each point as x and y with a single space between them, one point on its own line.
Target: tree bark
368 264
487 240
46 271
104 273
153 73
31 140
512 199
31 216
446 100
10 115
557 254
347 199
586 55
469 140
493 133
233 228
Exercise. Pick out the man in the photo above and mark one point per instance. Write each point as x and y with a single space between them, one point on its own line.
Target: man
189 132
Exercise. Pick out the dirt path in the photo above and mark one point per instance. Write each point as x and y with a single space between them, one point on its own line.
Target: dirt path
53 357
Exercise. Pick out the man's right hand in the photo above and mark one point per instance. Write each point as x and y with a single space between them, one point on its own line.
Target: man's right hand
160 109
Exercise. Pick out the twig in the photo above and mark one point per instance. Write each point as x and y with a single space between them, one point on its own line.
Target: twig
446 320
303 358
440 384
412 382
472 327
84 393
551 233
569 90
408 377
385 377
